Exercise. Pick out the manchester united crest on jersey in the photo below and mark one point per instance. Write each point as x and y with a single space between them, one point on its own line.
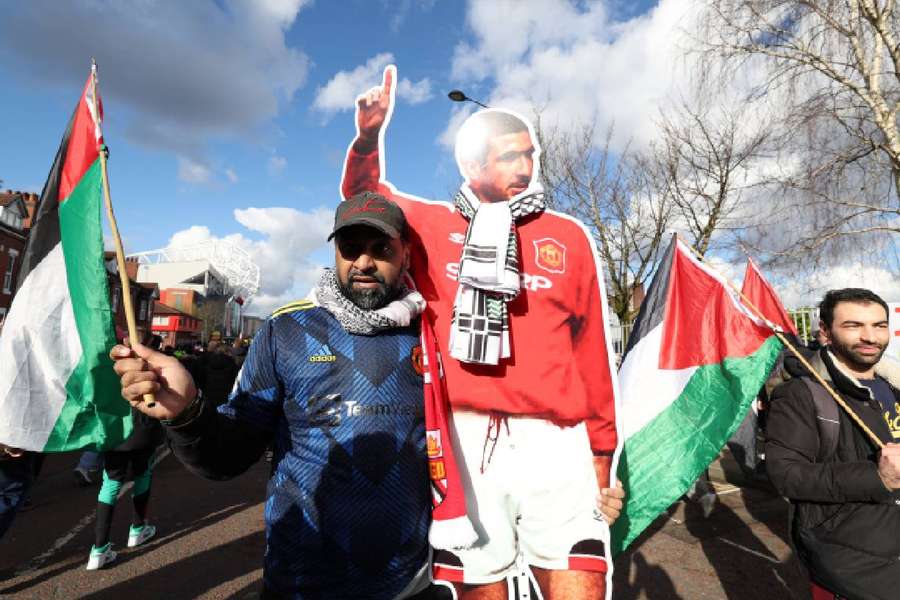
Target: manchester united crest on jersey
416 358
550 255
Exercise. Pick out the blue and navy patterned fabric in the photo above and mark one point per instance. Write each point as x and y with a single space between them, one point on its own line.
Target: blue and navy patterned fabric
347 509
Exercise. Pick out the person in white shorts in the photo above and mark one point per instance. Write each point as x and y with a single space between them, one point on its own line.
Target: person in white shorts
517 305
536 491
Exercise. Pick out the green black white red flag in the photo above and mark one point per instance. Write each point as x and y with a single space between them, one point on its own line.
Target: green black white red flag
57 388
695 361
760 292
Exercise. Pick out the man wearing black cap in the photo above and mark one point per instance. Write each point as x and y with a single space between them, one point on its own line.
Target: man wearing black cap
333 383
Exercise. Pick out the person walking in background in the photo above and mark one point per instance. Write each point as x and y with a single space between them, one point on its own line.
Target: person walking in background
215 372
131 460
239 352
18 470
89 466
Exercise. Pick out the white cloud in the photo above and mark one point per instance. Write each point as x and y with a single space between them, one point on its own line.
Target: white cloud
304 279
809 290
805 286
180 73
281 11
283 254
574 62
402 8
460 113
508 32
190 171
193 235
340 93
415 93
277 164
200 172
341 90
577 65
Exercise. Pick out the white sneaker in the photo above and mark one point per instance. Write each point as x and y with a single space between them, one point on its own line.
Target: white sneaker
100 557
139 535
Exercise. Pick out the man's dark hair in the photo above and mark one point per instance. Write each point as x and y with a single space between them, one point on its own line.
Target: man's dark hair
473 136
856 295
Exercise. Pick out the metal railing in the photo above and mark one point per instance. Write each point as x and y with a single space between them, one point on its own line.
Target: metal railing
619 338
807 321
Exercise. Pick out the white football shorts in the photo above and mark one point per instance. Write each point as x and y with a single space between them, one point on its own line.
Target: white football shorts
531 488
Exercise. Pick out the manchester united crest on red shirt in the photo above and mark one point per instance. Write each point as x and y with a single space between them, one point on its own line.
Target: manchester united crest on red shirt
417 362
550 255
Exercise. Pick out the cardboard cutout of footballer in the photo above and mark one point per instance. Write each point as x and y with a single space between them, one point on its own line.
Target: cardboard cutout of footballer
517 304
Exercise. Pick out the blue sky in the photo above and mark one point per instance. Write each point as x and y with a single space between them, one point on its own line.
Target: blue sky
230 119
291 159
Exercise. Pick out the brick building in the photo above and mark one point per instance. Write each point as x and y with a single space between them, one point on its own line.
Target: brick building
176 327
143 296
198 289
16 210
16 213
183 299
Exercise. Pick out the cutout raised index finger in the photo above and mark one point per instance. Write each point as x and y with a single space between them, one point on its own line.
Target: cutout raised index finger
388 81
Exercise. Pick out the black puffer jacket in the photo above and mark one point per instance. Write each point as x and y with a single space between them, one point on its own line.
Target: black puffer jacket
846 524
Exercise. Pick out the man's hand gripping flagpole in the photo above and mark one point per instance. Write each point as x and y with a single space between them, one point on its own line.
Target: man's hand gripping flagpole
114 228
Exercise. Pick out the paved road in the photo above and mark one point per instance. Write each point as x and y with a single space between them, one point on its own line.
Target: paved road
738 552
210 543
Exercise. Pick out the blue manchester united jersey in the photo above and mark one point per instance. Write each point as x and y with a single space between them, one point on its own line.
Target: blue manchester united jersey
347 509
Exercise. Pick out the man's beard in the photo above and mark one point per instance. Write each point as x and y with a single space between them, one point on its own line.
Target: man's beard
369 298
854 358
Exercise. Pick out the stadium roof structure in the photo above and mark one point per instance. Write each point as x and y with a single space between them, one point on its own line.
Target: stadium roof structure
229 259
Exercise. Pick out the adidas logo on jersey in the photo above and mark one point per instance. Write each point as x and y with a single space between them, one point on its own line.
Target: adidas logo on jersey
324 355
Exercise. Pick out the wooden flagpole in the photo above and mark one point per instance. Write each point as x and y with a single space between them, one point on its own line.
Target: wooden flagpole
117 239
776 330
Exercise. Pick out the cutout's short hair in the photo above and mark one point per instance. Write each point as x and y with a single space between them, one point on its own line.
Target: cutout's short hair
473 135
857 295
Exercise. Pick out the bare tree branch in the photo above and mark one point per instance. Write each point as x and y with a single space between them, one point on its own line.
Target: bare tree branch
615 196
835 67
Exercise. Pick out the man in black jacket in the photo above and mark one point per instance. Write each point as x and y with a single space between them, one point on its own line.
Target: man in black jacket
844 491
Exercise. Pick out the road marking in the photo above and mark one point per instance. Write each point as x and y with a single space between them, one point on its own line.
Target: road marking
38 561
753 552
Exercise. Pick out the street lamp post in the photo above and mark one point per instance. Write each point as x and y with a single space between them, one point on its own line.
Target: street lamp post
460 96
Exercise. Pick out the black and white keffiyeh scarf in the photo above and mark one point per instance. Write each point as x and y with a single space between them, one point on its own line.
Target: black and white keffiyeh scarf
355 320
488 276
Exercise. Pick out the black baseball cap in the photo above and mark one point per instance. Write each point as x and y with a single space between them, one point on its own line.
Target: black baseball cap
372 209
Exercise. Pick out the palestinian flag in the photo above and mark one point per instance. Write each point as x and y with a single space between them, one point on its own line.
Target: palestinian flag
58 390
694 362
761 293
